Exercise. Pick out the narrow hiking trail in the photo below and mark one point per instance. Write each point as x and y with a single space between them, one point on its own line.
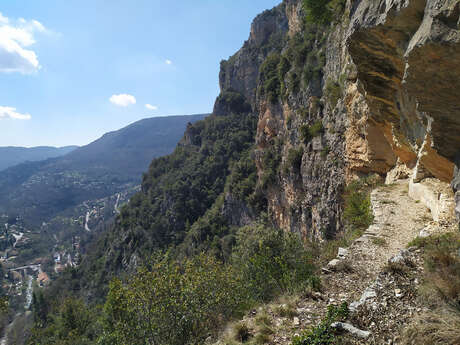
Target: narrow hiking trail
383 302
398 219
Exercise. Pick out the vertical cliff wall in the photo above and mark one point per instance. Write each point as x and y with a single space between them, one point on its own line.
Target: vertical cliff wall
374 91
407 55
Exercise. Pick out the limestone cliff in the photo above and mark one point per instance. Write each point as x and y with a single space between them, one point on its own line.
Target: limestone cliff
374 91
407 55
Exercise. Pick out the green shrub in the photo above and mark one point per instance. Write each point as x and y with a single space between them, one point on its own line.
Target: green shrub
269 77
317 11
357 211
305 134
323 11
283 68
72 323
173 303
243 177
323 334
309 132
272 262
333 92
294 82
316 129
271 165
241 332
234 102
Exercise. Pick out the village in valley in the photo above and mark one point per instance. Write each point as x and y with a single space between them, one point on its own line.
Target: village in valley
31 258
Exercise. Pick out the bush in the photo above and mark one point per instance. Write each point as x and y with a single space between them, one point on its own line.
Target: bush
271 164
309 132
438 327
233 102
323 334
440 291
317 11
333 92
241 331
173 303
357 211
269 77
316 129
71 323
322 11
272 262
305 135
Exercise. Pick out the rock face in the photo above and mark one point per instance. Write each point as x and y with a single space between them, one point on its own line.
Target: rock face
456 186
240 72
407 56
386 99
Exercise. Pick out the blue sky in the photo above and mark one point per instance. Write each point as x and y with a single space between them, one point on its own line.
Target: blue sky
72 70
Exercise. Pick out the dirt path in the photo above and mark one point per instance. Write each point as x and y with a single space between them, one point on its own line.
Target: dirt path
398 219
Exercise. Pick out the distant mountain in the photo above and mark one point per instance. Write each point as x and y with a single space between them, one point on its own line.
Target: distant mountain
11 156
37 191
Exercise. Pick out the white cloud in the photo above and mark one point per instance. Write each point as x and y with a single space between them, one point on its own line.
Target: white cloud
123 100
151 107
3 19
168 62
15 39
11 113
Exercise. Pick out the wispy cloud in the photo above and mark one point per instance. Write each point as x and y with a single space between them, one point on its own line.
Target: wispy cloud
123 100
151 107
168 62
16 38
11 113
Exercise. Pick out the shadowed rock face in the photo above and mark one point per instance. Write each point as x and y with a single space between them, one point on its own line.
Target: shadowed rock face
399 105
408 59
456 185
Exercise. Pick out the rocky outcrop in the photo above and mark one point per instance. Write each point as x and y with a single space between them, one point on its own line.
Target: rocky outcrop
236 212
385 99
241 71
456 186
407 56
436 195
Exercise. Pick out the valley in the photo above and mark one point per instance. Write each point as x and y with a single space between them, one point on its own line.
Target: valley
36 256
52 209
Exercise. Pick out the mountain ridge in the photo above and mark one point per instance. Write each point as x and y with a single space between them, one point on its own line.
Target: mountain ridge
92 171
14 155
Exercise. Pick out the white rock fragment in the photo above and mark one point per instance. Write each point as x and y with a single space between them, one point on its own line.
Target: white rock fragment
333 263
342 254
343 326
400 258
423 233
368 294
